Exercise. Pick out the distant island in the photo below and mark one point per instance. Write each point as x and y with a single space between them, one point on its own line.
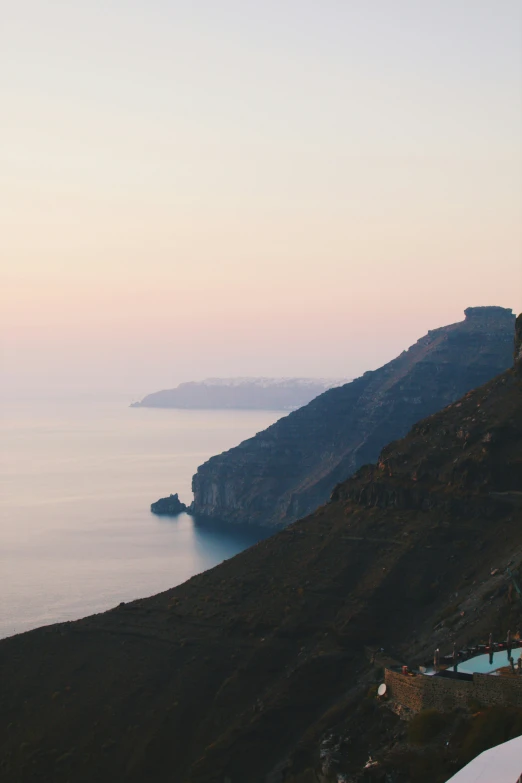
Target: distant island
276 394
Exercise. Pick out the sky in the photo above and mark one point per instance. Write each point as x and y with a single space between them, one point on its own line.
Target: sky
286 187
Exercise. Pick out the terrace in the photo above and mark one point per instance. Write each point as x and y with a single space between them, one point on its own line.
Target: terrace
483 673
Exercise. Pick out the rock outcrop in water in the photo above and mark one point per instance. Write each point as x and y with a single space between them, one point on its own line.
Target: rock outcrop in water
170 506
290 468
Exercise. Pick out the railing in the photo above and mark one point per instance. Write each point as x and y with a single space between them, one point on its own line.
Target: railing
480 649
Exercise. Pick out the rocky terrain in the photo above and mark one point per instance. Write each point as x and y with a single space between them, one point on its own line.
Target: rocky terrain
258 671
289 469
171 506
277 394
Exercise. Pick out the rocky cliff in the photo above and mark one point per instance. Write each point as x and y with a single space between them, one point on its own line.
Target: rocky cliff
237 674
289 469
517 353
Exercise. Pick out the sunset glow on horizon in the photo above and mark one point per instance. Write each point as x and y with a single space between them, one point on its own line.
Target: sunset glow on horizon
244 188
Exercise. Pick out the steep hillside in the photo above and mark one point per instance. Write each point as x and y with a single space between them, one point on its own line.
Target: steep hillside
290 468
234 675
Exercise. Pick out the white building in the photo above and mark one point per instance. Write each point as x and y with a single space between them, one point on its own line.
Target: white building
502 764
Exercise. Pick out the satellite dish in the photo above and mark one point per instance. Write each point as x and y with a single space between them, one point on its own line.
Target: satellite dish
382 689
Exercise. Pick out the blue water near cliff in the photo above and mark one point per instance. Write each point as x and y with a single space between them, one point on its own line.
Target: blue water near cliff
483 664
76 481
480 664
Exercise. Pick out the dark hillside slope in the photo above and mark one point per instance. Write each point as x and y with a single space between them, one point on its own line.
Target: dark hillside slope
290 468
227 675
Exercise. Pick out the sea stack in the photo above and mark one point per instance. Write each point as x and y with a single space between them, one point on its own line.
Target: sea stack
170 506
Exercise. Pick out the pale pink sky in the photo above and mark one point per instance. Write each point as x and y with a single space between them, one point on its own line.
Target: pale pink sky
246 188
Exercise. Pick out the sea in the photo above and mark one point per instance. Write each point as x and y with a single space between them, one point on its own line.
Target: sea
77 477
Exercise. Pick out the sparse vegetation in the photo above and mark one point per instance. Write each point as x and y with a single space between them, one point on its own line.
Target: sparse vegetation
474 705
489 728
425 726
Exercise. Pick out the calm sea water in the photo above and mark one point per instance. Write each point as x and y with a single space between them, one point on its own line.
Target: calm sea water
77 480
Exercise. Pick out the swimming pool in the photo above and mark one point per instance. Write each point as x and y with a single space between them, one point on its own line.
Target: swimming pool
481 665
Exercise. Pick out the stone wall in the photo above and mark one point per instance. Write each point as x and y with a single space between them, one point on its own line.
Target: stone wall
421 692
406 689
497 690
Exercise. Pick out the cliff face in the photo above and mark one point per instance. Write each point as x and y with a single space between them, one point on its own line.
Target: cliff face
517 354
289 469
237 673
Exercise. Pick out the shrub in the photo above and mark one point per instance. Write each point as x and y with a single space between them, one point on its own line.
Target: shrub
489 728
474 705
424 726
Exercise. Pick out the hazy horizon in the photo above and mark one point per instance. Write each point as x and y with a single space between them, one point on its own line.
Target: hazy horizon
246 189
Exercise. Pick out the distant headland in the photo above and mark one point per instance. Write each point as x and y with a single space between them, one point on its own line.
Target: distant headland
241 393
